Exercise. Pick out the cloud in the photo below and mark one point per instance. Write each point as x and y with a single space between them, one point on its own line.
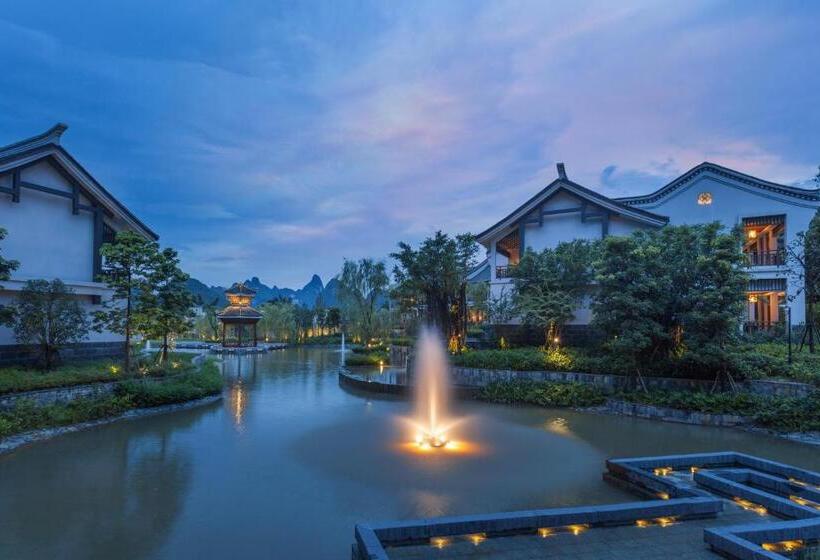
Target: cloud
273 141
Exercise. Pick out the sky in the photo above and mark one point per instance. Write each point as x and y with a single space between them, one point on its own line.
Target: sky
275 139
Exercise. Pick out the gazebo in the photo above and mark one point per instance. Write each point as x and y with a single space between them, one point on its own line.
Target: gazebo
239 318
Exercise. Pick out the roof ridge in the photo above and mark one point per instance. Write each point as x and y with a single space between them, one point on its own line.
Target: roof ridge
687 176
50 136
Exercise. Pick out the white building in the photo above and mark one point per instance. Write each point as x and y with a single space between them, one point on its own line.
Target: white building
57 216
770 214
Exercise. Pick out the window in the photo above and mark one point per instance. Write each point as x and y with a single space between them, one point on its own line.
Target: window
705 198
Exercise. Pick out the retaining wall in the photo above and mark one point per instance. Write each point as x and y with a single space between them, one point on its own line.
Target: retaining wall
673 414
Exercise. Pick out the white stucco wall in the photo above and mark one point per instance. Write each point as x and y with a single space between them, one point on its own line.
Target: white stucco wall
50 242
731 202
43 234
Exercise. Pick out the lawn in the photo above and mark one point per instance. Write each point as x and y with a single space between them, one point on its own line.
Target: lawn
17 379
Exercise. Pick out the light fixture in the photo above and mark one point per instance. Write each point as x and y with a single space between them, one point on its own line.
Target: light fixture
705 198
752 298
752 234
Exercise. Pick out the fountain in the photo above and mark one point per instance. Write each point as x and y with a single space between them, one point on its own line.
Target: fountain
342 350
432 391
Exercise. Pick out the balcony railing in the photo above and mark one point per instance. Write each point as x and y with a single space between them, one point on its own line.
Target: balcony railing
504 271
766 258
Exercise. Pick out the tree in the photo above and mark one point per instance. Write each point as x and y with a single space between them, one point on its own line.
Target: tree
49 316
7 266
164 305
278 320
433 276
550 285
362 284
126 267
803 262
670 294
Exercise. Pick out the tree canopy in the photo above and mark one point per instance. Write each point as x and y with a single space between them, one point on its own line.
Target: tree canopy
49 316
362 284
434 274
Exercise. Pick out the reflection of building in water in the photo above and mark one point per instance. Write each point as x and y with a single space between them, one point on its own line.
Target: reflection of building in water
240 372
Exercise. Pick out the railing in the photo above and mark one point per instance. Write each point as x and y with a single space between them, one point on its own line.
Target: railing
504 271
757 326
766 258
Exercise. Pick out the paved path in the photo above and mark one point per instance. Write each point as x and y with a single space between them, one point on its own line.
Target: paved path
681 541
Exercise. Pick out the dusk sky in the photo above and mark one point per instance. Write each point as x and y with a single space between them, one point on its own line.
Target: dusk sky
276 138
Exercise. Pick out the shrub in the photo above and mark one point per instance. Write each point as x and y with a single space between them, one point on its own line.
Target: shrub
546 393
189 386
371 359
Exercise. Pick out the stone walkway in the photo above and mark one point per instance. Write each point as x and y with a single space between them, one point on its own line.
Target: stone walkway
681 541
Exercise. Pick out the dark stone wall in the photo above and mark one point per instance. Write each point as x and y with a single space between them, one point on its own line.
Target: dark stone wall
14 354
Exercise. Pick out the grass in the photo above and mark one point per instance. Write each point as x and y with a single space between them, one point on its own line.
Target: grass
191 385
17 379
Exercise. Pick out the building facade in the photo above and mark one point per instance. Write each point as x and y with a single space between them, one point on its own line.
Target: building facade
770 214
57 216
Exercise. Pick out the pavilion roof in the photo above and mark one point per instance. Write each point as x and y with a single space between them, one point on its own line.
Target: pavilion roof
240 289
239 312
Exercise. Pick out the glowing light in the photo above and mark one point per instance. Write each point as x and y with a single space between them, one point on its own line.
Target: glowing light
556 340
753 298
663 471
750 506
577 529
665 521
663 495
693 470
784 546
440 542
804 502
752 234
545 532
477 538
114 369
642 523
705 198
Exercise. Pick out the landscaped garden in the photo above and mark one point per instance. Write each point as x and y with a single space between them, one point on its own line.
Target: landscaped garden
188 383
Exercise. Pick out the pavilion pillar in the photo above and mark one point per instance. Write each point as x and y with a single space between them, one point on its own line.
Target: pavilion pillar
223 334
254 334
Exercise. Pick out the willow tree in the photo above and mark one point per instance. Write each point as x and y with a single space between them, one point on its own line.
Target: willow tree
362 286
435 274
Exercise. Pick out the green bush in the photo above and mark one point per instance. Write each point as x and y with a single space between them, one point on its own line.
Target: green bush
781 413
189 386
130 394
370 359
542 393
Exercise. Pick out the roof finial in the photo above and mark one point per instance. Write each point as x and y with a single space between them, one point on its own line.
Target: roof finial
562 172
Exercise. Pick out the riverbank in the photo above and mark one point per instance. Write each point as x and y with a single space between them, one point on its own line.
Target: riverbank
128 398
18 440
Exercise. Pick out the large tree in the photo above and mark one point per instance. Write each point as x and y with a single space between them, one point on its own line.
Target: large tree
164 306
362 286
278 321
126 269
670 293
434 275
7 266
49 316
551 285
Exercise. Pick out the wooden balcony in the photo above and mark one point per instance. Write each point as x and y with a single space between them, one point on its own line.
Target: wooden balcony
504 271
766 258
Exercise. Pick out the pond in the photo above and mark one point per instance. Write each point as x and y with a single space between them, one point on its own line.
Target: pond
289 462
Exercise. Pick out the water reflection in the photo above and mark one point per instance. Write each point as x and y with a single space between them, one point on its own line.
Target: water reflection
115 500
239 372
